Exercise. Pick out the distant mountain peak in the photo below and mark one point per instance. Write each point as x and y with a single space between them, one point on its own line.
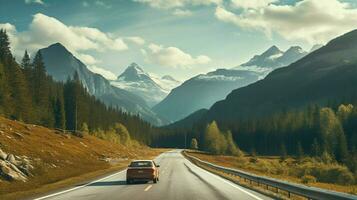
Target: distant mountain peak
133 73
273 50
169 78
59 48
134 66
274 57
294 50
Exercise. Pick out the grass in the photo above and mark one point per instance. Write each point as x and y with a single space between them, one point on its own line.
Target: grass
289 170
60 159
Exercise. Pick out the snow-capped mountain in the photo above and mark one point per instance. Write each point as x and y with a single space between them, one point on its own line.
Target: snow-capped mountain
148 86
204 90
274 58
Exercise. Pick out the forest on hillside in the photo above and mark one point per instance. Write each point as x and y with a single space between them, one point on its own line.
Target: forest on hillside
28 94
321 132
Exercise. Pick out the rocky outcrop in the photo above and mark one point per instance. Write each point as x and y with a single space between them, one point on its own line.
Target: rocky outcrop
14 168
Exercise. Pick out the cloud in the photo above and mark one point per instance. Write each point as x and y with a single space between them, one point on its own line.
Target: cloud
87 59
172 57
307 20
168 4
45 30
136 40
254 4
182 13
105 73
35 2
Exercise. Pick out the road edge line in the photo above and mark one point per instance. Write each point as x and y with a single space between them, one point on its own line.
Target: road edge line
78 187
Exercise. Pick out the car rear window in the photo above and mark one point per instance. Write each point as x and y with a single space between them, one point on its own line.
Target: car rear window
141 164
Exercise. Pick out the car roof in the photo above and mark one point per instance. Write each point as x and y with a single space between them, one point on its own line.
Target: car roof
142 161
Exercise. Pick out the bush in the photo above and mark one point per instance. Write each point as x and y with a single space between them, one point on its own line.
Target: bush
308 179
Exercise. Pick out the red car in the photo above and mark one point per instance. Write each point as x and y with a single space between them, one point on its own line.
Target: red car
142 170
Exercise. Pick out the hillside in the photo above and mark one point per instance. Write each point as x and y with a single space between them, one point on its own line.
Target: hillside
327 74
59 159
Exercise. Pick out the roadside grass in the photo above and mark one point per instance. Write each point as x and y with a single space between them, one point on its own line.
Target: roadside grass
61 160
293 170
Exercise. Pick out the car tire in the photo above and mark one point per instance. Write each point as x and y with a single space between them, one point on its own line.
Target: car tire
155 180
128 181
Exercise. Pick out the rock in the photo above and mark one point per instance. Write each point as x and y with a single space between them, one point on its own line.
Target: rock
28 128
11 172
11 158
18 135
3 155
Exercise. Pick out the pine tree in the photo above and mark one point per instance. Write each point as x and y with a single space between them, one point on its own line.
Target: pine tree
59 113
341 151
283 153
41 91
5 53
26 61
315 148
299 150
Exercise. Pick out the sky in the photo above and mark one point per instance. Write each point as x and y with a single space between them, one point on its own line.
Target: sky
181 38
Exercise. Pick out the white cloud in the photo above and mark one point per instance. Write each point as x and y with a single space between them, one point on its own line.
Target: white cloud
172 57
167 4
307 20
105 73
87 59
45 30
35 1
136 40
251 3
182 13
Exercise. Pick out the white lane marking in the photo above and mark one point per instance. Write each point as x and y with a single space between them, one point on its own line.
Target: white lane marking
228 182
148 188
79 187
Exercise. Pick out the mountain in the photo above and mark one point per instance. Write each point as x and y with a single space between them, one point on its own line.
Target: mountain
204 90
61 64
327 74
149 87
274 58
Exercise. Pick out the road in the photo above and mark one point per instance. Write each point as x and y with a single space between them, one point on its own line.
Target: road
179 179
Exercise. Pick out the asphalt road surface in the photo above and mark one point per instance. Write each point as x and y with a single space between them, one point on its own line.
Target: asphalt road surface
179 180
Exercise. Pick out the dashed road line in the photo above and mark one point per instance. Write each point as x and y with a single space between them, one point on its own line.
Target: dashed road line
148 188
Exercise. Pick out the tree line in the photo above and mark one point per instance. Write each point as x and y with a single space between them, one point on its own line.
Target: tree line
314 131
29 94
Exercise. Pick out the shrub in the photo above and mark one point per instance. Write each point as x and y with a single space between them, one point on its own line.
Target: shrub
308 179
194 143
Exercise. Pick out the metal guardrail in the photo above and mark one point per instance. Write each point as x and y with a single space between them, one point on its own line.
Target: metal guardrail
291 188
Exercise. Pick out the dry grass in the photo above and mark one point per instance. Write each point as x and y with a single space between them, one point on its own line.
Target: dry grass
272 167
61 159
